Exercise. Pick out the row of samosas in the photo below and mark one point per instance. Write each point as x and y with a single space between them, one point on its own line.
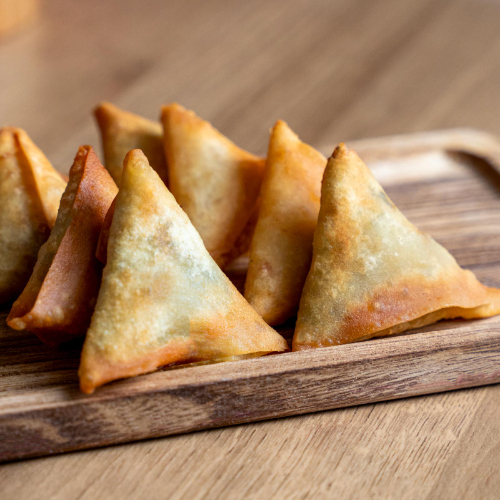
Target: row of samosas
325 244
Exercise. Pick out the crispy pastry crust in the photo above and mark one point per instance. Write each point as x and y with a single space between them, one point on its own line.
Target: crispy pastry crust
215 182
121 132
30 191
373 273
281 248
59 298
162 298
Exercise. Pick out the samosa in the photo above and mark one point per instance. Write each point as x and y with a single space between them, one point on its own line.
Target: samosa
60 296
215 182
163 299
281 248
373 273
30 191
121 132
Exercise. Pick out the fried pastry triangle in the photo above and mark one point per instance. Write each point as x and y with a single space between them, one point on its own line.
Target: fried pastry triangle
162 298
121 132
215 182
30 191
373 273
59 298
281 248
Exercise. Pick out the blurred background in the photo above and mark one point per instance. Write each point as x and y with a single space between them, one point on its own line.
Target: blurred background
334 70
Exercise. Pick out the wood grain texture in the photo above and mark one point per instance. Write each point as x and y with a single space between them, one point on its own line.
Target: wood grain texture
48 414
41 422
335 71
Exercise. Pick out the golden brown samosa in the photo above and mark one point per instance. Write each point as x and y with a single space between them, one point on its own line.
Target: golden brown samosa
163 299
121 132
59 298
373 273
281 248
30 191
215 182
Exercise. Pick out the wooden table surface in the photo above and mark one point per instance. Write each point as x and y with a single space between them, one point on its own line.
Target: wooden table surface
335 70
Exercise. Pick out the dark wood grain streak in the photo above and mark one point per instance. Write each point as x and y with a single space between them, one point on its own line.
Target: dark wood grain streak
231 393
446 183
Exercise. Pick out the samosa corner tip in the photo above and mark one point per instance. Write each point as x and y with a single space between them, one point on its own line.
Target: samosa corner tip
135 162
134 155
280 124
174 106
87 381
341 151
176 109
282 128
104 108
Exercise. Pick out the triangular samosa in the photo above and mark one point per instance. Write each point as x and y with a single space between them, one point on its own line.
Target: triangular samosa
163 299
215 182
121 132
281 248
373 273
30 191
59 298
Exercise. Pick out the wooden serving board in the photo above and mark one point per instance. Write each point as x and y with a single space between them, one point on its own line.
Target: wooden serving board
447 183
